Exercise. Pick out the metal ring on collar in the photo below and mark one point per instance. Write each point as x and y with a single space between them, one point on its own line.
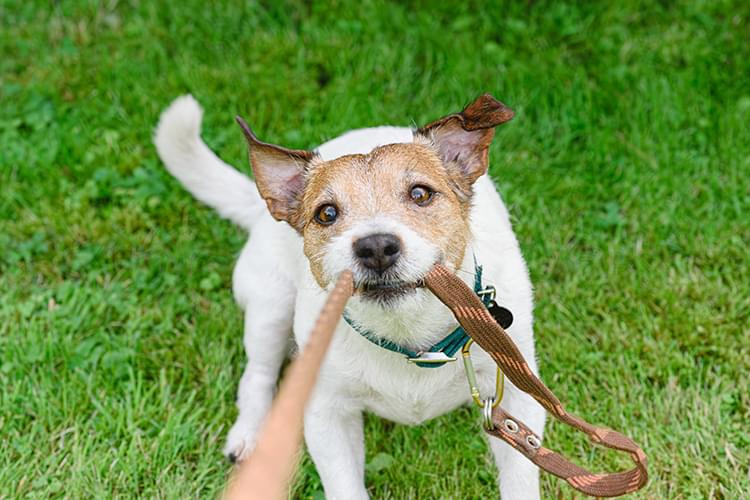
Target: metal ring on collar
489 290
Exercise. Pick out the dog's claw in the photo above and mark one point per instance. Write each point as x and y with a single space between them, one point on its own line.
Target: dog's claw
232 457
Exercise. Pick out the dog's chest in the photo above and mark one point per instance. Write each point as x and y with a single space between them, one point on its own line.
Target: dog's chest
415 406
384 383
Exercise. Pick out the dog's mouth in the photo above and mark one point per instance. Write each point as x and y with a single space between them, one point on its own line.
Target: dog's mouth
387 291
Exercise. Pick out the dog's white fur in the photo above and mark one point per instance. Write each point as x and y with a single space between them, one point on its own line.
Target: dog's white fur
274 285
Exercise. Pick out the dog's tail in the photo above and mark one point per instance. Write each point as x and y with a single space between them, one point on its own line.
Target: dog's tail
186 156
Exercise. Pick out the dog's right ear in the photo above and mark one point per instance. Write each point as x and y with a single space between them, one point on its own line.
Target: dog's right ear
279 174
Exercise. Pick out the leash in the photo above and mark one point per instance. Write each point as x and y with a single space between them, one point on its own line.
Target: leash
266 473
484 330
443 351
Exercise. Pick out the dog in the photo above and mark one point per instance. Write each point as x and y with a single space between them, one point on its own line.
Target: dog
387 203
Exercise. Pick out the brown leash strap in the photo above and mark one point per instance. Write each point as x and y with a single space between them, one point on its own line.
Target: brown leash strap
265 474
484 330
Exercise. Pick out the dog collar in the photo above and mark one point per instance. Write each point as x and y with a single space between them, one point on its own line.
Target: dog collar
443 351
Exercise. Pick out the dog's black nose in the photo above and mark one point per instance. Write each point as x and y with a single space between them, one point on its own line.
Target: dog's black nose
378 251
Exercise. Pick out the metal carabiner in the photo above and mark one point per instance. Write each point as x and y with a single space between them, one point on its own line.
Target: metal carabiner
487 422
471 376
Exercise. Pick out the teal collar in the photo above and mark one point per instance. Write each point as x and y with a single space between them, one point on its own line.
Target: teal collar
440 353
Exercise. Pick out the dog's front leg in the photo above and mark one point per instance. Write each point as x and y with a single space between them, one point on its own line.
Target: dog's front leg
519 478
268 323
335 439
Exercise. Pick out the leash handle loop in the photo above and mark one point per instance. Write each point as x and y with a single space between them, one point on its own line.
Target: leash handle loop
476 320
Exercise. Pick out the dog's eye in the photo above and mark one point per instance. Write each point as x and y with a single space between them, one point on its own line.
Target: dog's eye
326 214
421 195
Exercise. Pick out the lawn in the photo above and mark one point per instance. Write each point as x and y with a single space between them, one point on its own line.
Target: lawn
626 171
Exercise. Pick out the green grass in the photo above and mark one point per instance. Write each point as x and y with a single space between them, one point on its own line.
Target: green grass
626 170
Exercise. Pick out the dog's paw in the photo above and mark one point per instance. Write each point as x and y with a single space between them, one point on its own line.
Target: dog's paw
240 441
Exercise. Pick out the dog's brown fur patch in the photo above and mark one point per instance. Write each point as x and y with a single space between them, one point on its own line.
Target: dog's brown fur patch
378 184
448 156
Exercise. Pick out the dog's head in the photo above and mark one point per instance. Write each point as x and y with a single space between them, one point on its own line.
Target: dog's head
388 215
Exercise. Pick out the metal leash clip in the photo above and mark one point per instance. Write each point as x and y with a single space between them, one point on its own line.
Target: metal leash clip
487 404
487 423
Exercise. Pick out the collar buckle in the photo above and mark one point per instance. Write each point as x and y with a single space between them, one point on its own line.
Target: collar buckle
431 358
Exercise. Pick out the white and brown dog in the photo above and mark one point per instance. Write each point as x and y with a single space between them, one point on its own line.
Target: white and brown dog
387 203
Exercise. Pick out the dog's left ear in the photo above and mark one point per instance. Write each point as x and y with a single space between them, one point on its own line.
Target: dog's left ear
463 139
